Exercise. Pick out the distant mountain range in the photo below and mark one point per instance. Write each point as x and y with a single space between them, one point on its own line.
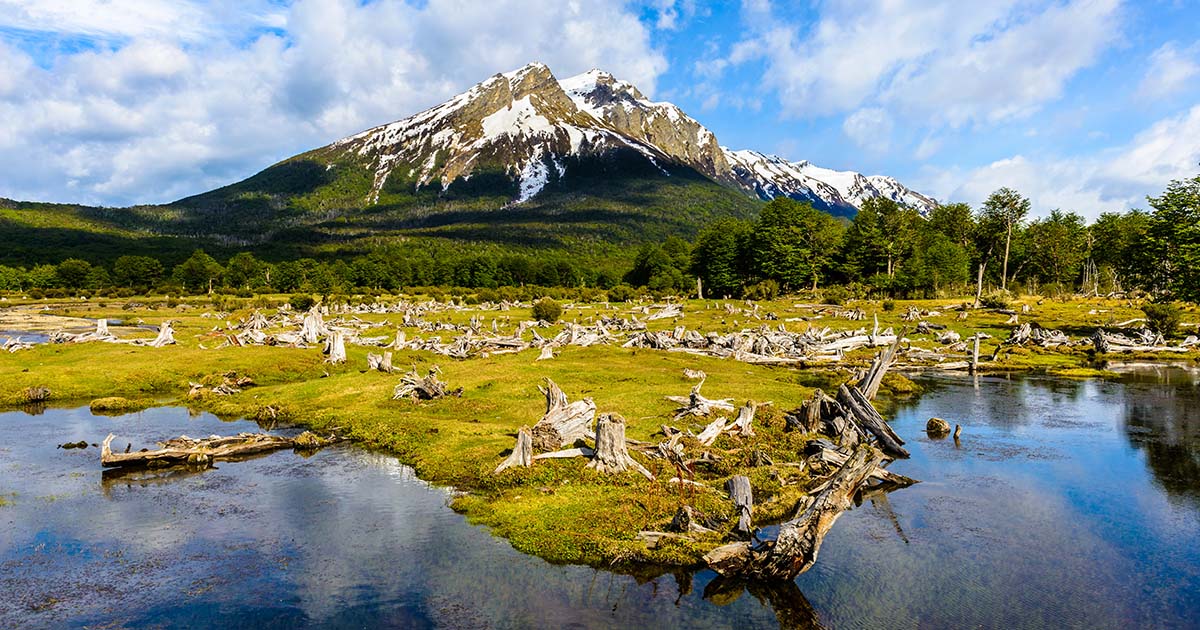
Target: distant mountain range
520 159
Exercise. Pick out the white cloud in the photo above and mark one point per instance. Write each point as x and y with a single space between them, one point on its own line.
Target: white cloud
1171 71
950 63
177 100
869 128
1116 179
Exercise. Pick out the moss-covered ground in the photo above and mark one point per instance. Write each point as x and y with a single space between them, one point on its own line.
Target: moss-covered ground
557 509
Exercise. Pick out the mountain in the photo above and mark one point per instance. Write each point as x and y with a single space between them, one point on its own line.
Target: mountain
522 159
525 147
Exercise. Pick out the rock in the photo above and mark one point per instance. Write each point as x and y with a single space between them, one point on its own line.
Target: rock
937 426
70 445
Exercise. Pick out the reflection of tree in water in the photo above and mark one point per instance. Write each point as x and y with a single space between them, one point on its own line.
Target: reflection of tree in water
791 607
1164 422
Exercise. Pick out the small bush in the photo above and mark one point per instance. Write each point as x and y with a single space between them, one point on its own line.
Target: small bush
301 301
546 310
889 306
765 290
996 299
622 293
488 295
1163 318
836 296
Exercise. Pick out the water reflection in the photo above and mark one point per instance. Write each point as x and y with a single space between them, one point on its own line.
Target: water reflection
1163 422
1059 506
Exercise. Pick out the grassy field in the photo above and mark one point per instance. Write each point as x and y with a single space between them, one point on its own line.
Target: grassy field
557 509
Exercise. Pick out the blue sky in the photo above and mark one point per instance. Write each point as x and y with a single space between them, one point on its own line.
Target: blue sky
1085 105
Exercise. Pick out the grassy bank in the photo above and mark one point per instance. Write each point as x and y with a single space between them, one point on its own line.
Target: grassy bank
557 509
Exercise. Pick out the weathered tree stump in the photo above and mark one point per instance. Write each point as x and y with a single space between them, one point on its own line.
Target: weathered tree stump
522 453
336 347
563 423
415 387
743 500
611 455
745 418
380 362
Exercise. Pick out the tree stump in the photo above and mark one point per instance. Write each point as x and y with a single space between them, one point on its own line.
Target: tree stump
336 347
522 454
563 423
743 500
611 455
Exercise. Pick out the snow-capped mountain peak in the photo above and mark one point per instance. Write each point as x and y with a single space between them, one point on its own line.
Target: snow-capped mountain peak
529 125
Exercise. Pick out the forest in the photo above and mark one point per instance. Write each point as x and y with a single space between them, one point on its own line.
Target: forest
887 250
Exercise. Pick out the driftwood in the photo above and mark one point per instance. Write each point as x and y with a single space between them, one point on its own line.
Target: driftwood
415 387
611 454
563 423
205 451
795 550
546 353
696 405
522 453
743 500
879 367
854 402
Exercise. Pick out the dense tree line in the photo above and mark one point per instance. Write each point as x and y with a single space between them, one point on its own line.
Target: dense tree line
886 250
890 250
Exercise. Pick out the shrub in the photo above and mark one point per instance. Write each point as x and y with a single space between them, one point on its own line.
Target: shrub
1163 318
996 299
889 305
546 310
488 295
622 293
835 295
301 301
765 290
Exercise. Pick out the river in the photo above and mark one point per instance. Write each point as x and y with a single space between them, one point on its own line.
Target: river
1065 504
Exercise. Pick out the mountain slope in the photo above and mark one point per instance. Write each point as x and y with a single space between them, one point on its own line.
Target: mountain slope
588 157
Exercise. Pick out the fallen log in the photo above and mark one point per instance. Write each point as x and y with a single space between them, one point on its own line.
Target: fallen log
799 541
879 367
205 451
563 423
862 411
795 550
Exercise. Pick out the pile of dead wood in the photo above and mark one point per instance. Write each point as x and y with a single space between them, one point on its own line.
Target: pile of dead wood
415 387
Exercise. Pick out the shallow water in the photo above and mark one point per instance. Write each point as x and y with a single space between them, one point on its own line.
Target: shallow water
1065 504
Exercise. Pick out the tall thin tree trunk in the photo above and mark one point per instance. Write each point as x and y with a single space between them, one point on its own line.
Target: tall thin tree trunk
979 283
1004 270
